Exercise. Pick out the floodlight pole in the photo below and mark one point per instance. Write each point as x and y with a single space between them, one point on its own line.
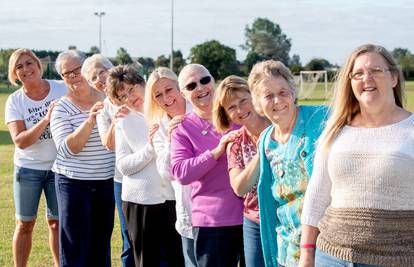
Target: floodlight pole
172 36
100 15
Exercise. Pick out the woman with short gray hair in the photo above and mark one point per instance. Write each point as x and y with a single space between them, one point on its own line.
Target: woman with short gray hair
84 171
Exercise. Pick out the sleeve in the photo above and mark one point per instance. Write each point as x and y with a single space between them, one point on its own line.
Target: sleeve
104 120
185 166
162 150
12 112
235 157
318 193
267 207
129 162
61 127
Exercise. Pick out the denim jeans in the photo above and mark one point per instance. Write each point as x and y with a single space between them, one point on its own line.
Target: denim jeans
323 259
252 244
127 255
86 220
28 185
188 252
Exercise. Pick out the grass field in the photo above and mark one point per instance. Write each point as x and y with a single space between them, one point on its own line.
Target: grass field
40 255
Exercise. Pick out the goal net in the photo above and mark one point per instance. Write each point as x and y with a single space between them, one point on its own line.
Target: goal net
312 81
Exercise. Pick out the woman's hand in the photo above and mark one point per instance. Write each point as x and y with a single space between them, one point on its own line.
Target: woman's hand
152 130
120 113
50 108
173 124
94 111
225 139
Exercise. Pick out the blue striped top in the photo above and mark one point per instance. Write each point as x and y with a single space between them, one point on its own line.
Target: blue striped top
94 162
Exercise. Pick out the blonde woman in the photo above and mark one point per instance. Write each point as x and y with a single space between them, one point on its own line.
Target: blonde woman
359 205
286 151
27 115
233 104
164 107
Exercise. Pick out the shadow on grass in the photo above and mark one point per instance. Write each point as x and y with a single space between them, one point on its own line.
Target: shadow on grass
5 138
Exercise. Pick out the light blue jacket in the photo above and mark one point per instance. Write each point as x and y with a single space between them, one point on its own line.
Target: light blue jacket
310 122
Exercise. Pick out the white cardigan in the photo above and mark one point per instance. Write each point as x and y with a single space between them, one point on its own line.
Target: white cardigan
182 192
135 159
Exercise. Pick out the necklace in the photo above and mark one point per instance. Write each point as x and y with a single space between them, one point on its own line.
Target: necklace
205 128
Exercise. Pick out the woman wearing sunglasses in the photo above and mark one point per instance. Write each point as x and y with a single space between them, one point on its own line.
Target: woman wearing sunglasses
198 158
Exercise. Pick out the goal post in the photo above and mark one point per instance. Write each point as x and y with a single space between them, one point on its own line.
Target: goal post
308 81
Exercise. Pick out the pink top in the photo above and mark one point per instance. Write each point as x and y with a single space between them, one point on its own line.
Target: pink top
214 203
242 152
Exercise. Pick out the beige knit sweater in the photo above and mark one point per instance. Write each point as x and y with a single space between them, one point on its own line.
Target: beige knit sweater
367 181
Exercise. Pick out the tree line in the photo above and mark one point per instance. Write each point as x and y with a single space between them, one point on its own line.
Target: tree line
264 39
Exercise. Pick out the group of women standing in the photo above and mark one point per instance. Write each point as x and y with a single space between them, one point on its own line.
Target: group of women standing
240 174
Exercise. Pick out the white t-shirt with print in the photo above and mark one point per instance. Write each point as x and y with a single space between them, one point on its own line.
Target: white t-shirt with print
42 154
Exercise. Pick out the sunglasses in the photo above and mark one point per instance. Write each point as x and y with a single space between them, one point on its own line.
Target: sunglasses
203 81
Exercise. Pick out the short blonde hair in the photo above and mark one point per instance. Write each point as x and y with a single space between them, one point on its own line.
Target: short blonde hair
153 112
344 105
269 69
15 56
119 75
224 92
93 62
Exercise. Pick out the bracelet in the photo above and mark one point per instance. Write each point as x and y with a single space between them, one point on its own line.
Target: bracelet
308 246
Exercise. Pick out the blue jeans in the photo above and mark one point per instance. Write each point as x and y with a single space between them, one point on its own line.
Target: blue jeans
188 252
86 215
323 259
252 244
127 256
28 185
218 246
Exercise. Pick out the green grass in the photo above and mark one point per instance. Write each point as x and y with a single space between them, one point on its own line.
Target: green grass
40 255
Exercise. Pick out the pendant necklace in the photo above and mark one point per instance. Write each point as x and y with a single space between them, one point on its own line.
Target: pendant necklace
205 129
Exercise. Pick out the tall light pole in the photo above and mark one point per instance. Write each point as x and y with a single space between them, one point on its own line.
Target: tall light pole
100 15
172 36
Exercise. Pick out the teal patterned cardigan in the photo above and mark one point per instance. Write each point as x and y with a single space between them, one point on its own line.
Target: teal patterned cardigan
311 121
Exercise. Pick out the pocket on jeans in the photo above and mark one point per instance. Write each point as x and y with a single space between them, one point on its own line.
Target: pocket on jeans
27 174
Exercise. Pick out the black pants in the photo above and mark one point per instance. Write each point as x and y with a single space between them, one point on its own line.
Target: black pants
152 232
219 246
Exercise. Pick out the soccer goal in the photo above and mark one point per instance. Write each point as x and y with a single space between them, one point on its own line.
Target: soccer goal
309 81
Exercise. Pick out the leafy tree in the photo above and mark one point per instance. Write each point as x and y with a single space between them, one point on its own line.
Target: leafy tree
4 63
266 39
295 64
219 59
93 50
405 59
122 57
72 47
148 65
318 64
178 61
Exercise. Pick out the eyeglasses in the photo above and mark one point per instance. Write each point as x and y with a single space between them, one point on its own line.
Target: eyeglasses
373 72
128 92
72 73
203 81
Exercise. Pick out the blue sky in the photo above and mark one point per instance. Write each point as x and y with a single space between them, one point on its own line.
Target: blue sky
318 28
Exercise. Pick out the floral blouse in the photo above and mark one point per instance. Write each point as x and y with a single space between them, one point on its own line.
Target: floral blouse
241 153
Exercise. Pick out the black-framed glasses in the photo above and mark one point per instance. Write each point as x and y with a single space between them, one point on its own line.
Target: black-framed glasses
73 73
203 81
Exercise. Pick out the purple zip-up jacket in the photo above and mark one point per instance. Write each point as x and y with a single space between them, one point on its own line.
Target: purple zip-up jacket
214 203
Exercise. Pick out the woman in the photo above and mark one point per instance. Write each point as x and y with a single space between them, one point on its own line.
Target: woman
198 158
163 102
27 115
286 151
360 213
148 199
84 170
233 104
95 71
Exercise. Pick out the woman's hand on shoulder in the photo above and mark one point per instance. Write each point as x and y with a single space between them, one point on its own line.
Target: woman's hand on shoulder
121 112
151 132
225 139
94 111
50 108
174 122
